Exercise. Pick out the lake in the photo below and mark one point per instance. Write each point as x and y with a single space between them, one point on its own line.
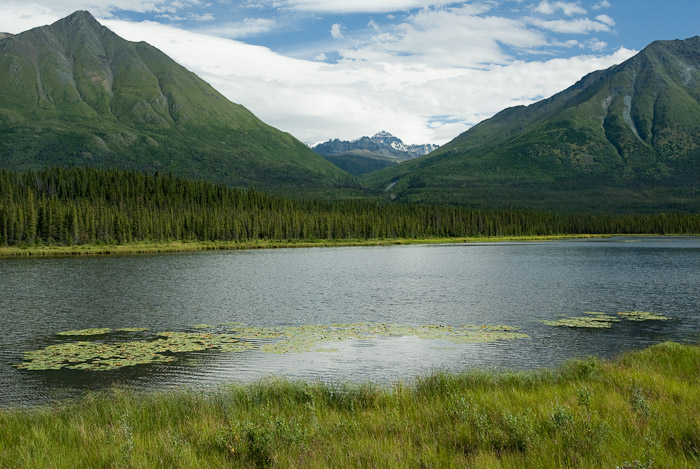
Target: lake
519 285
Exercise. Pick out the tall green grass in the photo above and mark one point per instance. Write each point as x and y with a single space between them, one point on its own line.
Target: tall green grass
640 410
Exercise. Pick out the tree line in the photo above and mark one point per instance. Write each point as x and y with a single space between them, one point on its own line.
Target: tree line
86 206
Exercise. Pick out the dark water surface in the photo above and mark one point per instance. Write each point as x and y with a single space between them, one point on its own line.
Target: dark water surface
516 284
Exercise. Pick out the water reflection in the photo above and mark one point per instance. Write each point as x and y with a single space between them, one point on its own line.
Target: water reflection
516 284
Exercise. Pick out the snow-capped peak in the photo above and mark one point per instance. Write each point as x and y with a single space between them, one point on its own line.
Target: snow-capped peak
380 142
383 134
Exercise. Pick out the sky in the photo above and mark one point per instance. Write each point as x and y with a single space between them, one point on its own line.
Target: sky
425 71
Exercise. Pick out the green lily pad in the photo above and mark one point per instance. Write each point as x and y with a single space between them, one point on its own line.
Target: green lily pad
165 346
92 331
591 320
597 320
298 339
641 316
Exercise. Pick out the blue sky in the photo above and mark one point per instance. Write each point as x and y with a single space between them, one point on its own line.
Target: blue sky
422 70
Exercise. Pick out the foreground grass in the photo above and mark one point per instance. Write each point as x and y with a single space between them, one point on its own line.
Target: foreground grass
182 246
641 410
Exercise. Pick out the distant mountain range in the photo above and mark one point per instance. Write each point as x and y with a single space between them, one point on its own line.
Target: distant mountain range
622 139
76 94
369 154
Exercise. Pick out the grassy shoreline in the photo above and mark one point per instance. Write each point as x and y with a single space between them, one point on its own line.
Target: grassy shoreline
640 410
194 246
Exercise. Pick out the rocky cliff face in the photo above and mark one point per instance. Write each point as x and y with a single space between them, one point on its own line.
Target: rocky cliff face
368 154
382 145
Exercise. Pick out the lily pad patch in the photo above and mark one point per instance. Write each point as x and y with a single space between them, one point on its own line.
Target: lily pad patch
163 347
85 332
641 316
597 320
298 339
102 356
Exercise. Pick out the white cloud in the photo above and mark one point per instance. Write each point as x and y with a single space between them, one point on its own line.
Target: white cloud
605 19
360 6
569 9
596 45
458 37
570 43
170 17
337 31
576 26
316 101
426 79
204 17
545 8
241 29
601 5
17 15
255 4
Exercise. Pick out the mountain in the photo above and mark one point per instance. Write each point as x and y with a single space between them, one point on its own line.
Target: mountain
369 154
401 150
622 139
76 94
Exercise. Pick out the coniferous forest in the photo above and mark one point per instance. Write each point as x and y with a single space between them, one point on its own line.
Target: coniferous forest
86 206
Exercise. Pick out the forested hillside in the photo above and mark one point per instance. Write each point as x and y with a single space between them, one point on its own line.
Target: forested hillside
622 140
76 94
85 205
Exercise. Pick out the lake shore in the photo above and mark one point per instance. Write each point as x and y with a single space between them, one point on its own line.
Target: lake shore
639 410
194 246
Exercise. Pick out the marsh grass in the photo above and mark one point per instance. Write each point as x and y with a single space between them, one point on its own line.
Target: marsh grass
640 410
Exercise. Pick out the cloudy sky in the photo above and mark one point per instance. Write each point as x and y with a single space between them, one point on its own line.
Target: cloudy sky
422 70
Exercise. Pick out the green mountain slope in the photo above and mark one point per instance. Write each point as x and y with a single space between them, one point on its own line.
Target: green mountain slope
622 139
358 162
74 93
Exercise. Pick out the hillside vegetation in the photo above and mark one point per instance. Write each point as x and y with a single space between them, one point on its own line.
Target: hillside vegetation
76 94
86 206
620 140
638 411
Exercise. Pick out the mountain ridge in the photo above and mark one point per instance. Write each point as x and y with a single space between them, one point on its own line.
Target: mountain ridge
77 94
622 139
366 154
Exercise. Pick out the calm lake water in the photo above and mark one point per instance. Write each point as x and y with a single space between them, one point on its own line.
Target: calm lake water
515 284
